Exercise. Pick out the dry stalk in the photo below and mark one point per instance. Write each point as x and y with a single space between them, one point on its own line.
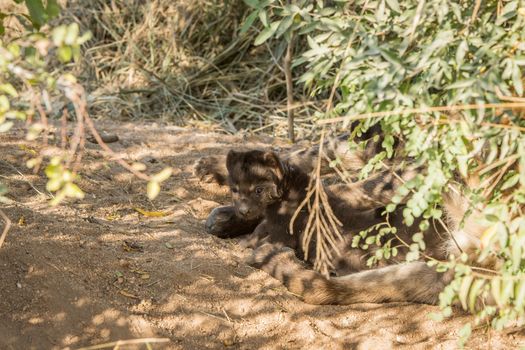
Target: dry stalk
115 345
6 227
322 222
287 65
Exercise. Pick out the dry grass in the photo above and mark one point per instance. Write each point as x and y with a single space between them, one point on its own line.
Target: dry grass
182 61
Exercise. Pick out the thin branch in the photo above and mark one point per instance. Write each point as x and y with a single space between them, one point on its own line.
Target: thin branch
421 110
118 343
6 227
287 64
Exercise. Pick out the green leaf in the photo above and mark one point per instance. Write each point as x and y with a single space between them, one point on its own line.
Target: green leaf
163 175
516 80
266 33
53 185
391 57
460 52
464 290
507 291
248 23
461 84
464 334
252 3
495 289
263 16
65 53
58 35
390 208
153 189
283 27
52 9
510 182
520 294
71 34
8 89
463 165
2 28
4 104
6 126
474 293
394 5
72 190
37 12
380 11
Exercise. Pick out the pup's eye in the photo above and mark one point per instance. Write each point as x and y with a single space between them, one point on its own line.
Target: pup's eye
258 190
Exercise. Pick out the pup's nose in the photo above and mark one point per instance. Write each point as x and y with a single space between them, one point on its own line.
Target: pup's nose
244 210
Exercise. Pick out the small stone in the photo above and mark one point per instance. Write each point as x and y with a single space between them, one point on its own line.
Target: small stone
18 285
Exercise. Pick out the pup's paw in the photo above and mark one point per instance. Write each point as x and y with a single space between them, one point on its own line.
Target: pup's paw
209 169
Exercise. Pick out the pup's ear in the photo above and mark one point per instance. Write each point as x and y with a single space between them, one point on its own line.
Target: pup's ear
231 159
272 160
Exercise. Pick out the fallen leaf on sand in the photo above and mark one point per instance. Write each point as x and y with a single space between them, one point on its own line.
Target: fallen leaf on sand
28 150
150 214
127 294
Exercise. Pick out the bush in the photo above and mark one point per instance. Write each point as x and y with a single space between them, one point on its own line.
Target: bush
446 78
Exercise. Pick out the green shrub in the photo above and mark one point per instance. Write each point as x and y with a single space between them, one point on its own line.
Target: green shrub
389 63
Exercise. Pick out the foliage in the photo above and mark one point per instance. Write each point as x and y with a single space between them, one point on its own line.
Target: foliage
39 13
37 85
384 57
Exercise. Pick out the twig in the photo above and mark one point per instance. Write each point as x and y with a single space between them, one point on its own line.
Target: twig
106 148
287 65
24 177
475 11
118 343
6 227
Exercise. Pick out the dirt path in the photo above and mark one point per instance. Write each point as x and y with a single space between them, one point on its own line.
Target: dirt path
69 279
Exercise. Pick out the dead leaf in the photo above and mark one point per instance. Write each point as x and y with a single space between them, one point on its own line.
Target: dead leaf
22 221
127 294
169 246
150 214
28 150
129 246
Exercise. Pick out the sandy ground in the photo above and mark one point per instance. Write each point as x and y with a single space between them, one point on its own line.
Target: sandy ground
95 271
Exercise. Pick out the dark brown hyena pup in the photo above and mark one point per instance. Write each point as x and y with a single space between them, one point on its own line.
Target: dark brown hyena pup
227 222
267 189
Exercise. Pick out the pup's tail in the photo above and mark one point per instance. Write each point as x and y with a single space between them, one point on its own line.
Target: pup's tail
411 282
